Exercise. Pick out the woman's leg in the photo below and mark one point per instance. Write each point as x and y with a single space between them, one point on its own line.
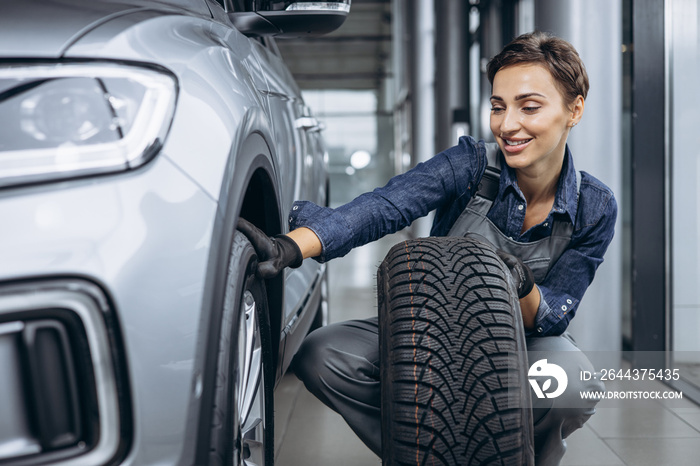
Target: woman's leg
339 364
556 418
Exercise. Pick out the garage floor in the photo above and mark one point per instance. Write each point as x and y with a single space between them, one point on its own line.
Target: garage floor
647 433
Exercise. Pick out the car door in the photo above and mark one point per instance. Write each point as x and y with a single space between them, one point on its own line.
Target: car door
314 157
298 155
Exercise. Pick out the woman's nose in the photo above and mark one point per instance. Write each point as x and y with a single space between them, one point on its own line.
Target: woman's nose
509 122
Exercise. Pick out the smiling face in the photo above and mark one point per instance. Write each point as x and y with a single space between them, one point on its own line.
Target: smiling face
530 119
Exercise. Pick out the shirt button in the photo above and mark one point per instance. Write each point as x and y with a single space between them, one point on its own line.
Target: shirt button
539 329
545 224
568 301
563 308
296 207
291 219
520 207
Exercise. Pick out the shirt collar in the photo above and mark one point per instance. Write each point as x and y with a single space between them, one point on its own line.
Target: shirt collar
566 197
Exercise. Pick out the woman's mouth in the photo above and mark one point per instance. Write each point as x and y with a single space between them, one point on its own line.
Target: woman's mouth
515 145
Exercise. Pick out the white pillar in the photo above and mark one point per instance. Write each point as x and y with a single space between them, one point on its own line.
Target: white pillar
594 27
423 92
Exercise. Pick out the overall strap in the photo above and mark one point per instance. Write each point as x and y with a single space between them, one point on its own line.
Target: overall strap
488 186
482 200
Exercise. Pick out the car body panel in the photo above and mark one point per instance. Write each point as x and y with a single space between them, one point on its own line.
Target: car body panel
64 21
161 38
207 52
117 232
203 56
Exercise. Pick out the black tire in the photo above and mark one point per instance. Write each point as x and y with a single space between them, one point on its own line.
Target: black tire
453 357
242 423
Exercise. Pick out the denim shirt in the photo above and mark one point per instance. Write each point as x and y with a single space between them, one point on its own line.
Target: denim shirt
446 183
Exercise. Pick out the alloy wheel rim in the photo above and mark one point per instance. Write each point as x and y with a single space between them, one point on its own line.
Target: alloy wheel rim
249 392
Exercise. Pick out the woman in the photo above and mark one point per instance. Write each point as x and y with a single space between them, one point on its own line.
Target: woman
551 228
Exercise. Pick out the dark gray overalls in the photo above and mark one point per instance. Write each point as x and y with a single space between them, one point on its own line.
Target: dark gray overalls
340 363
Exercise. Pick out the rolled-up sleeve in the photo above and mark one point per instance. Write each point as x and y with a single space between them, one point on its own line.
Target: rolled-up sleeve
388 209
566 282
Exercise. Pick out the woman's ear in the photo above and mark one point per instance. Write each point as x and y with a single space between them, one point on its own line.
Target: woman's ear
576 111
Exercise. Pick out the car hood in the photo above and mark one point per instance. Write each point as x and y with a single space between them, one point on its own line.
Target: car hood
46 28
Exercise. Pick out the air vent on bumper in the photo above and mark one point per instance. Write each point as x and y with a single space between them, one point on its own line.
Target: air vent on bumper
59 376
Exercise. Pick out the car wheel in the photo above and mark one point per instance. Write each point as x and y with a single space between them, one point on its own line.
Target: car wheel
452 356
242 427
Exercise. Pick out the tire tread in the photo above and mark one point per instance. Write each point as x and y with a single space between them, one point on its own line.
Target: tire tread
451 337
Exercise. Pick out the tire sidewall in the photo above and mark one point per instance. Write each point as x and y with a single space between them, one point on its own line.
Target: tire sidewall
240 278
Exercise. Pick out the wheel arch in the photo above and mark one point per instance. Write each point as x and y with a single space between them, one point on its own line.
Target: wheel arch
248 190
262 209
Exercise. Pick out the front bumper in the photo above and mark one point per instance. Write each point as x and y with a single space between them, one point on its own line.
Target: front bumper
141 238
65 396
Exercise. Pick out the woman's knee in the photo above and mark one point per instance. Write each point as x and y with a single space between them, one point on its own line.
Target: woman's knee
310 360
570 411
337 354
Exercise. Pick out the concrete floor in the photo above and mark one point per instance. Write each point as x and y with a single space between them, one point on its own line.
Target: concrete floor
639 433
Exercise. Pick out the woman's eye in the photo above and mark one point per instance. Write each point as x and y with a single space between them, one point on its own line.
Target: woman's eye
531 109
497 109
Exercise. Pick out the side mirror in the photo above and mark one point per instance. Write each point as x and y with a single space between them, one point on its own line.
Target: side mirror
291 18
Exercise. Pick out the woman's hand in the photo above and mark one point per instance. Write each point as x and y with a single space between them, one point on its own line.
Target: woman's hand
275 254
528 293
522 274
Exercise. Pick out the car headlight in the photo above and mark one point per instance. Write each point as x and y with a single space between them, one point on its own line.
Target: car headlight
66 120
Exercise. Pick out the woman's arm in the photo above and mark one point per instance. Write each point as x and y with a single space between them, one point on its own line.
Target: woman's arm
324 233
308 242
566 282
430 185
528 307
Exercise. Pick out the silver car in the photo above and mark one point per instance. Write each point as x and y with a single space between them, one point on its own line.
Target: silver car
133 136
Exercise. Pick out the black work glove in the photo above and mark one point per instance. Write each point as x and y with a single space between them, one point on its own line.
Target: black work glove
523 276
274 253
